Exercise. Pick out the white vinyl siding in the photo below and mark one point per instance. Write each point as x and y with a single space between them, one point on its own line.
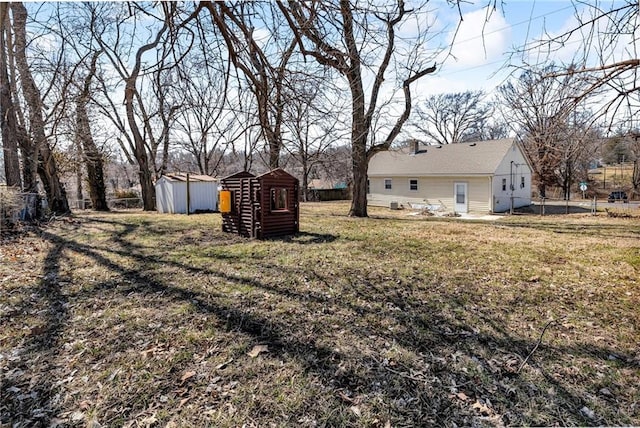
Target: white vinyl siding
432 191
515 174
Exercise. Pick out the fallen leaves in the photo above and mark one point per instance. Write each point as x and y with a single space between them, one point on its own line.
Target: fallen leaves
186 376
181 335
482 408
147 353
257 350
356 411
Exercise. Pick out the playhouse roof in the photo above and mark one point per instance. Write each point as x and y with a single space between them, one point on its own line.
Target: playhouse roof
240 174
278 172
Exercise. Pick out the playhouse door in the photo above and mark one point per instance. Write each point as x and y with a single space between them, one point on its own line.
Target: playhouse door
460 197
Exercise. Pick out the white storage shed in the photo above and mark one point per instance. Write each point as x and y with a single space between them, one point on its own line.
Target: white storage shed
174 192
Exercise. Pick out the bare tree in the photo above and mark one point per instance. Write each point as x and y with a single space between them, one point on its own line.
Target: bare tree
7 111
575 148
115 38
452 118
539 110
312 123
361 42
209 123
131 97
46 166
604 43
93 158
264 63
78 86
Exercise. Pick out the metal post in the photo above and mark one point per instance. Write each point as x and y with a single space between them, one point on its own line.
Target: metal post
188 196
511 187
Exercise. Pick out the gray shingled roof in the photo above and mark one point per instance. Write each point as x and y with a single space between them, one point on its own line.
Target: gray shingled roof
476 158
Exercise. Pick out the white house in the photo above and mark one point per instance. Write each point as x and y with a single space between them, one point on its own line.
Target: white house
172 191
481 177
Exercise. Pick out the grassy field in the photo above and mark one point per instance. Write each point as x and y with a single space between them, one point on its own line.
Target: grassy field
614 176
134 319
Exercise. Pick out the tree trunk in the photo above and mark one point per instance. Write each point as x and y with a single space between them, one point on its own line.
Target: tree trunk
140 153
93 161
29 162
360 165
47 168
7 113
359 158
92 156
542 189
79 192
27 150
305 177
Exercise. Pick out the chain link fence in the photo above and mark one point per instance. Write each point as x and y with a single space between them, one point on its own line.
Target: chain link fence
16 206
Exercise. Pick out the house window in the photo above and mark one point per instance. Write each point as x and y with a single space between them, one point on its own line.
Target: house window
504 184
522 182
413 184
387 184
368 186
278 199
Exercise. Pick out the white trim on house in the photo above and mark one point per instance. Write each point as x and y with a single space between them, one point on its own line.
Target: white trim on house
410 184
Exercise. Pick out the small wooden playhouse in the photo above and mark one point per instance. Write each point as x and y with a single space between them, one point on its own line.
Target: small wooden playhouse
261 206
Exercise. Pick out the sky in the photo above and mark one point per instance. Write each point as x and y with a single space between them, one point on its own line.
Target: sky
481 56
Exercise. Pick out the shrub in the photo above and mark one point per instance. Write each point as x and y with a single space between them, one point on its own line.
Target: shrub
10 206
125 194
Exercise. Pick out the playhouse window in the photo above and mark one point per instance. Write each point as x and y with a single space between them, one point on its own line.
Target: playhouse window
278 199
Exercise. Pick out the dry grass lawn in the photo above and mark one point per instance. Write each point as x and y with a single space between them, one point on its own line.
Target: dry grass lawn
135 319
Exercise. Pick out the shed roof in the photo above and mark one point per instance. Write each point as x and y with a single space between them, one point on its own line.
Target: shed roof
473 158
182 177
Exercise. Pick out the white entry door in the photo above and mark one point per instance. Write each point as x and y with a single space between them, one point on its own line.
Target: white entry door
460 197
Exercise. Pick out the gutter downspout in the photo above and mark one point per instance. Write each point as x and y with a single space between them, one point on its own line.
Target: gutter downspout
492 199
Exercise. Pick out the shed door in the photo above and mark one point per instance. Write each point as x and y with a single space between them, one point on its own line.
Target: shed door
460 197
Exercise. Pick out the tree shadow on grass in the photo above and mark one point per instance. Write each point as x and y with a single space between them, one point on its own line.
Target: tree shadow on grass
306 238
424 329
24 397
